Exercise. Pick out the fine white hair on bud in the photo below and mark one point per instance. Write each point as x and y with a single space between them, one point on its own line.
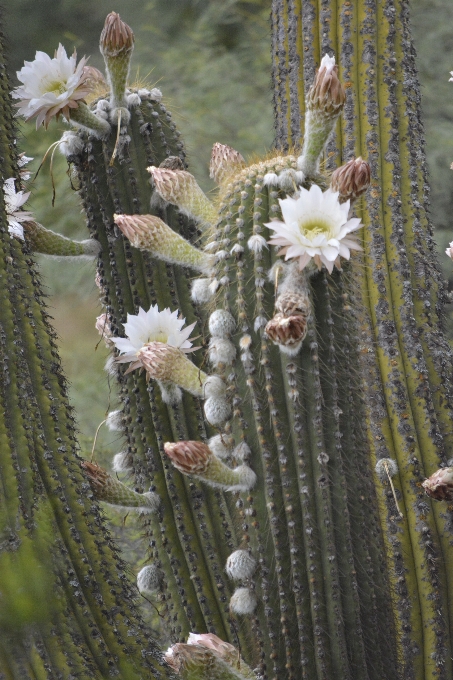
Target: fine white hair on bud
328 63
237 250
214 387
111 366
155 94
214 286
100 113
240 565
201 291
221 445
143 93
103 105
245 342
171 393
122 462
246 479
133 99
386 467
221 351
221 323
149 579
260 321
70 144
256 243
114 421
217 411
270 179
243 602
242 451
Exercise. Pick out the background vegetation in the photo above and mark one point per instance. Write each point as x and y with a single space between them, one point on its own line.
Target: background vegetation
211 59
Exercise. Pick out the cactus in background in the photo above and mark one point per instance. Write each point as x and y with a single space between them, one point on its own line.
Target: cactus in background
286 456
67 608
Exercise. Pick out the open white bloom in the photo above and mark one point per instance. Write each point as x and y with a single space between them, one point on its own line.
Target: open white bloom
449 250
13 201
51 86
451 79
315 225
152 326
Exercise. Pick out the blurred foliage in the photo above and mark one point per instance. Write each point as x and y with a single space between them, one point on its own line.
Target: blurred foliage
212 61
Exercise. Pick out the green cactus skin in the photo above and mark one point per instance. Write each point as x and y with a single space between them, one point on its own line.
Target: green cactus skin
184 536
93 628
406 361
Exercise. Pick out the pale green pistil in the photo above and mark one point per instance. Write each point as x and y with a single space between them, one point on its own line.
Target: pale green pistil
57 87
314 227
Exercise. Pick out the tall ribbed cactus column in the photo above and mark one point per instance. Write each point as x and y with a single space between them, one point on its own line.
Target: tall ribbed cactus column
405 360
67 609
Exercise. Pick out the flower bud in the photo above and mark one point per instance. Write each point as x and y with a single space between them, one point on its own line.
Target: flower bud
180 188
149 579
148 232
169 364
224 162
288 327
107 488
172 163
189 457
243 601
440 485
351 180
327 93
116 37
240 565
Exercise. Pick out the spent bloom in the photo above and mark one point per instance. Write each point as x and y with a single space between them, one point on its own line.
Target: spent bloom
152 326
13 201
51 87
315 225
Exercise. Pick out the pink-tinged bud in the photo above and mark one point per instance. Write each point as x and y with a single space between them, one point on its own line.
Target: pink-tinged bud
189 457
449 250
116 37
440 485
148 232
172 163
206 657
107 488
224 162
288 327
94 78
327 94
222 650
104 330
196 458
351 180
169 364
180 188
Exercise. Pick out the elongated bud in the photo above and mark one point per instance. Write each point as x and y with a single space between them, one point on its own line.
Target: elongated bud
180 188
288 327
47 242
223 650
107 488
325 101
198 662
225 161
351 180
196 458
148 232
166 363
116 45
94 78
440 485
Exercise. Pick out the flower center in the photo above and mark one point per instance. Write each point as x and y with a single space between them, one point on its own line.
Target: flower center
314 226
158 336
57 87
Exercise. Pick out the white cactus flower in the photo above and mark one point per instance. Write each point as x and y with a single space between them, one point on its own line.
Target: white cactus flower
449 250
51 87
13 201
315 225
152 326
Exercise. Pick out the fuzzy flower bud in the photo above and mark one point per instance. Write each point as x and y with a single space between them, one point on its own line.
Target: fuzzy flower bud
169 364
116 45
243 602
180 188
240 565
224 162
221 323
196 458
351 180
107 488
222 650
288 327
207 657
325 101
440 485
172 163
148 232
149 579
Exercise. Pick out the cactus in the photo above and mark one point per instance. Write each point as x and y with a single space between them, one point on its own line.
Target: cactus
285 458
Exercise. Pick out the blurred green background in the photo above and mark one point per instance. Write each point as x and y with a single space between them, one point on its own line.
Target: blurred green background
211 60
